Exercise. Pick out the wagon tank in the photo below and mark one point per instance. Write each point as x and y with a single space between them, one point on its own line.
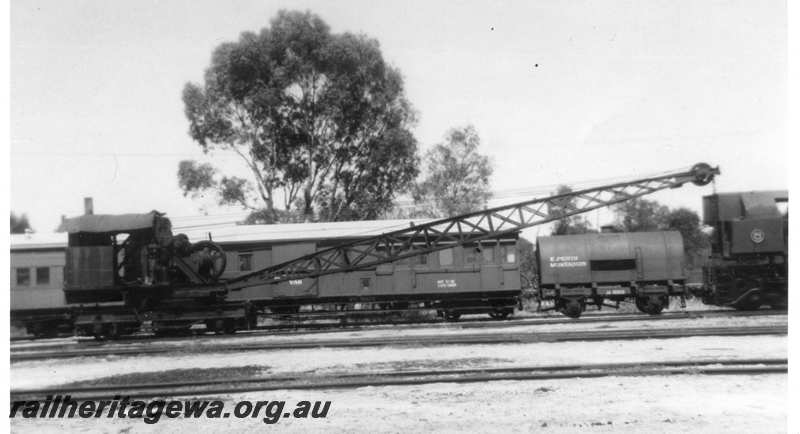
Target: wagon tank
576 270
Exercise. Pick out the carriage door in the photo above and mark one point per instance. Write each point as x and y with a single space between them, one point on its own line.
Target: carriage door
491 272
294 288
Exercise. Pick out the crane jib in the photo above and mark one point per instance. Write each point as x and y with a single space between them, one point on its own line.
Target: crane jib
464 229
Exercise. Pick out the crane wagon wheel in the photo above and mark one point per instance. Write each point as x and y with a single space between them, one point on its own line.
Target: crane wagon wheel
210 259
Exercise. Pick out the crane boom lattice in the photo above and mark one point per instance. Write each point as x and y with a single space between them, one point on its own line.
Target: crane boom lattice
465 229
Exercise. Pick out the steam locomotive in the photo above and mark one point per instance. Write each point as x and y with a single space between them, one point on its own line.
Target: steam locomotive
749 249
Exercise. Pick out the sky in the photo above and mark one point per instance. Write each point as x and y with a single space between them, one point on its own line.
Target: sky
560 92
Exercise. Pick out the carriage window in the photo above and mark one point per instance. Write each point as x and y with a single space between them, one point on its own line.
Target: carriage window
488 254
42 275
511 254
245 262
446 257
23 276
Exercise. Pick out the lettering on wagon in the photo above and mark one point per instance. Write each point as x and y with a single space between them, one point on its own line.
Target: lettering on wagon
446 283
566 262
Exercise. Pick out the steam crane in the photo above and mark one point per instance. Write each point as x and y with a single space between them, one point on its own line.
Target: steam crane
465 229
136 260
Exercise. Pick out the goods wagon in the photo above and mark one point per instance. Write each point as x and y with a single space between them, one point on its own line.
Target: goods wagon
590 268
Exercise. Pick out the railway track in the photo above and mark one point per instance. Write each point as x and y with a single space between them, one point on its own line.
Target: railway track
414 340
591 317
476 323
415 377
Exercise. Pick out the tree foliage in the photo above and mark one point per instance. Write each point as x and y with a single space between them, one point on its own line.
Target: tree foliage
640 215
19 223
195 178
527 258
567 225
320 120
687 222
456 176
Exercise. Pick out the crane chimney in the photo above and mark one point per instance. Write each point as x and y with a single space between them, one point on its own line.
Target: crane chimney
88 206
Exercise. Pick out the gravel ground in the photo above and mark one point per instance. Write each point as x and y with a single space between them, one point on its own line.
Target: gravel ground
659 404
32 374
689 403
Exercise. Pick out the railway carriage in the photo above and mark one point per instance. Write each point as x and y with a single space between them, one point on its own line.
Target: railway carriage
36 286
477 278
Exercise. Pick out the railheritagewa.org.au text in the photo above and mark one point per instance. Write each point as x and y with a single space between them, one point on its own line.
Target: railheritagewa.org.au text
153 411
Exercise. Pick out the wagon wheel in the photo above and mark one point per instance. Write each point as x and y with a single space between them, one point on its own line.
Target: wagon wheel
210 259
572 308
650 305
